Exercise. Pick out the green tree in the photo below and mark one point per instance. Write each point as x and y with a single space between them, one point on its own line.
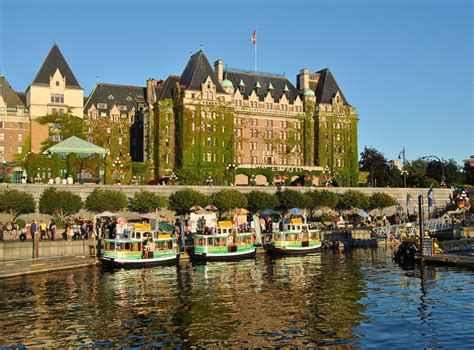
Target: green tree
16 203
468 174
416 172
352 199
60 204
105 200
452 172
375 163
292 199
259 200
380 201
321 199
65 126
226 200
146 202
182 200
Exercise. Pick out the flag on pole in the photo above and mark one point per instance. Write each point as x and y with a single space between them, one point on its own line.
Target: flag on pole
408 200
430 196
254 37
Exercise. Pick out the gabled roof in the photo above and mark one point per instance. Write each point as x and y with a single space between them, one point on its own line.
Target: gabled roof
168 87
196 72
12 100
55 60
113 94
327 88
251 79
75 145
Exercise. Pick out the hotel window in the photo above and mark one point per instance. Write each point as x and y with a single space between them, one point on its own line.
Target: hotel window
2 111
2 149
2 136
214 156
209 141
223 129
192 141
20 149
204 157
167 142
281 135
108 130
209 128
119 140
193 96
167 158
108 140
209 157
20 137
102 105
192 127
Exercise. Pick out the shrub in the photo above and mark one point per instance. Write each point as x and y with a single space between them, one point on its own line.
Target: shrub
16 203
259 200
352 199
105 200
59 204
226 200
182 200
380 200
146 202
292 199
320 199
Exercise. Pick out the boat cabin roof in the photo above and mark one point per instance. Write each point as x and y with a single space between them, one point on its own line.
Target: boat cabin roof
123 240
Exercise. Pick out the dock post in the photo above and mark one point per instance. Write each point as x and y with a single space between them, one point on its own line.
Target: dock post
420 213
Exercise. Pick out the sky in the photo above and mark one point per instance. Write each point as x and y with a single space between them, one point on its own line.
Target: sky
406 65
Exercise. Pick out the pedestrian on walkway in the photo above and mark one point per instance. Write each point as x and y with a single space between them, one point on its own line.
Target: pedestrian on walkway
43 230
52 230
23 235
14 228
33 229
1 231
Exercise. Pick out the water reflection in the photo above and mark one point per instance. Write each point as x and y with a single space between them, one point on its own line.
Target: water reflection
350 299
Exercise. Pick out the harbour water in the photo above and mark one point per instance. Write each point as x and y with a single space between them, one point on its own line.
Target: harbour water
353 299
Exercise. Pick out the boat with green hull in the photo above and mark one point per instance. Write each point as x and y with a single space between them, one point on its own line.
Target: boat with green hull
136 253
298 238
223 243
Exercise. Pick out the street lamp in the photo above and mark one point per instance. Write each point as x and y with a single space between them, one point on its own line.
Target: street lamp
405 174
401 155
252 180
209 181
173 178
443 178
232 168
327 176
117 164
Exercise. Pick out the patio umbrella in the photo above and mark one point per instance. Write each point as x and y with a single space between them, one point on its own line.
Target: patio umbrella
196 208
362 213
165 226
211 207
295 211
268 212
242 211
106 214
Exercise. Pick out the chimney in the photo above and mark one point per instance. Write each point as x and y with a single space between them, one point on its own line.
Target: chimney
150 88
219 70
303 82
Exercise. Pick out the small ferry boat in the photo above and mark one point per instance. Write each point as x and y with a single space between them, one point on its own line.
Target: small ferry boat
297 238
223 243
137 253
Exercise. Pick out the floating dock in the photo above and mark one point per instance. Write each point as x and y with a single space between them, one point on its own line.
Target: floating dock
465 258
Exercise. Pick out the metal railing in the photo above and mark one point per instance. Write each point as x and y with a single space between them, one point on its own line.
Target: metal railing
412 228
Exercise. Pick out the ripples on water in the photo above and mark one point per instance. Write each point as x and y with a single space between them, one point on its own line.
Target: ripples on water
356 299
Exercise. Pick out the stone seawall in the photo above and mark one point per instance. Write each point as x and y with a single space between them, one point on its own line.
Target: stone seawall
16 250
441 196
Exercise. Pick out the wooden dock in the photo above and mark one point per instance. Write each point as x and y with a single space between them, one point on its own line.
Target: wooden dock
465 258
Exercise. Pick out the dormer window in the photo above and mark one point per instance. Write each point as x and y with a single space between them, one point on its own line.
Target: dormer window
258 88
110 97
241 86
57 82
128 98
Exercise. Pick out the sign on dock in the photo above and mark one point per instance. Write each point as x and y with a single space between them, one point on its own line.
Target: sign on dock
427 247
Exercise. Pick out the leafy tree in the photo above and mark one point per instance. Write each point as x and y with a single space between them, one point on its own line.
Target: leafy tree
320 199
146 202
468 174
105 200
60 204
452 172
292 199
182 200
226 200
65 125
416 172
259 200
16 203
381 200
374 162
352 199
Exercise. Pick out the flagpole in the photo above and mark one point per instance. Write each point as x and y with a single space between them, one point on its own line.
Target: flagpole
255 48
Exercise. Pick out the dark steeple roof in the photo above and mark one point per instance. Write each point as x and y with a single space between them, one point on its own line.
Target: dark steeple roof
112 94
327 88
55 60
9 96
250 80
168 87
196 72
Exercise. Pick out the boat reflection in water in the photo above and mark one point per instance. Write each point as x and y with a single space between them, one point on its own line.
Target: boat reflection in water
329 298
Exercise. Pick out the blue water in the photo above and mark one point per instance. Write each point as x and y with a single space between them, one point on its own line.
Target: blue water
355 299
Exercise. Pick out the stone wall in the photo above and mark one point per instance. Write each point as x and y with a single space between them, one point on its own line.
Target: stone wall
16 250
441 195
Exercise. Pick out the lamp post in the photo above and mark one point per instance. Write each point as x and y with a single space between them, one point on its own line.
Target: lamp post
117 164
327 176
173 178
252 180
405 174
443 177
232 168
209 181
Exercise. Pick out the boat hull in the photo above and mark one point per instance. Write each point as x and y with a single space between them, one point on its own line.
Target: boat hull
233 256
278 251
112 263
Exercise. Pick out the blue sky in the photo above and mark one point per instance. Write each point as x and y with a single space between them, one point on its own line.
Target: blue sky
407 66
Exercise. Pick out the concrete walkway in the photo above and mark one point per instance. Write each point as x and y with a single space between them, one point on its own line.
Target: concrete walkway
25 267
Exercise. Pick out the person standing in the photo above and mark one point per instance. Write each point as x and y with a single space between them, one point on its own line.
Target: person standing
43 230
33 229
52 230
1 232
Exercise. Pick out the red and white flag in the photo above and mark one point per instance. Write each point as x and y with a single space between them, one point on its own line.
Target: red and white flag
254 37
